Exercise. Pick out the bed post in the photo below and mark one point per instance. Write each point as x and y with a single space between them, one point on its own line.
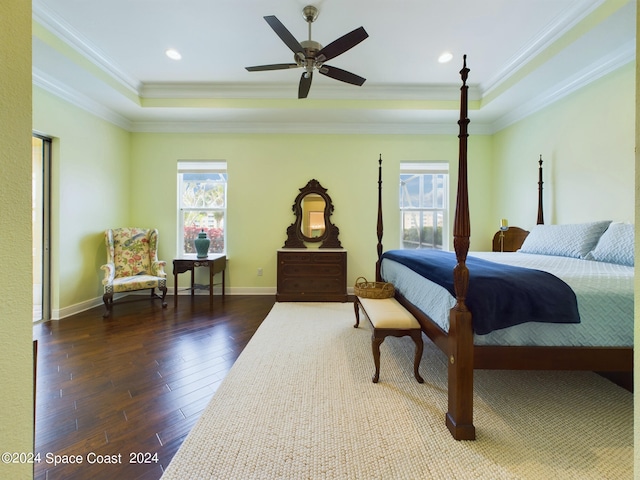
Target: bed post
459 417
379 227
540 210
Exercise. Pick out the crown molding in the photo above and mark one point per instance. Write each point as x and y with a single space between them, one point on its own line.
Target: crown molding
184 90
308 128
597 70
554 31
46 17
42 80
616 60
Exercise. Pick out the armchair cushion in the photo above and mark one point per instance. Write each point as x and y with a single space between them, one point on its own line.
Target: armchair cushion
132 252
139 282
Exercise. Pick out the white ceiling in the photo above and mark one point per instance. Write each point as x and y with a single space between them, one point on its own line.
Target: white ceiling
108 57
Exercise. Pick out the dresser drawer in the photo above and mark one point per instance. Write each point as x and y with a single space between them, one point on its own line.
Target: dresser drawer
311 269
312 276
311 285
308 258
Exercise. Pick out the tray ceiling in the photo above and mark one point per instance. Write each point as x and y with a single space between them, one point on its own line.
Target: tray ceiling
108 57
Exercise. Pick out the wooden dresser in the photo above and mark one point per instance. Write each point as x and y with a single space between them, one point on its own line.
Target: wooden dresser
318 275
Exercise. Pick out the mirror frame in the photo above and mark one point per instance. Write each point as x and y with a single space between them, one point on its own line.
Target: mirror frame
295 237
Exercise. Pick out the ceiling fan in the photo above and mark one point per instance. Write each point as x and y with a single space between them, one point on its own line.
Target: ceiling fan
311 56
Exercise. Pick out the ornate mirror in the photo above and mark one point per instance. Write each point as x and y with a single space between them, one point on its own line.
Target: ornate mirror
313 209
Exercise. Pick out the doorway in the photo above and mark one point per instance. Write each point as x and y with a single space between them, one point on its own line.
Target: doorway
40 219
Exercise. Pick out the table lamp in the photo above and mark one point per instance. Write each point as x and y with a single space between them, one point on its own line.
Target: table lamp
504 226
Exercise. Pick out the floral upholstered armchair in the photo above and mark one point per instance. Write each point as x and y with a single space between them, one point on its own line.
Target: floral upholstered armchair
132 264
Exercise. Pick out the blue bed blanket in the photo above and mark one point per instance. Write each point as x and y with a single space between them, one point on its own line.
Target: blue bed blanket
499 296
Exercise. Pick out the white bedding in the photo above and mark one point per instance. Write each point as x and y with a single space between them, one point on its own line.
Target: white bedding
604 292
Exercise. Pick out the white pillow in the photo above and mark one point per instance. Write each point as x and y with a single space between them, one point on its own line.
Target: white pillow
616 245
575 240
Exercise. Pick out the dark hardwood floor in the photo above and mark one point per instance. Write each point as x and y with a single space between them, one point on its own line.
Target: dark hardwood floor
130 387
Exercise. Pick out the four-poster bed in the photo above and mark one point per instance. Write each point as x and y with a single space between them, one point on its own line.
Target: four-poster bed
457 336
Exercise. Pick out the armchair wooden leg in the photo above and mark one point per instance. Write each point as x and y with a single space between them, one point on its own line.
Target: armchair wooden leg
164 294
107 298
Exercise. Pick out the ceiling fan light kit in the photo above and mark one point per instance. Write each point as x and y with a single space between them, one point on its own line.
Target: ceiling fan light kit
311 55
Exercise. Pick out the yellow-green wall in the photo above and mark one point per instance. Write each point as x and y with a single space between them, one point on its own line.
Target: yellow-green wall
587 145
16 359
265 174
106 177
91 189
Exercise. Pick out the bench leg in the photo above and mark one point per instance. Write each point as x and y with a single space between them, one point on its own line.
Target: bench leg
378 337
417 338
356 306
376 341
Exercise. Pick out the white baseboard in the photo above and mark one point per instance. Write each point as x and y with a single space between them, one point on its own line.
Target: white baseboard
59 314
229 291
251 291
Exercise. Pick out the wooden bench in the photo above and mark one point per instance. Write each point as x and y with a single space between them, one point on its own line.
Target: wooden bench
388 317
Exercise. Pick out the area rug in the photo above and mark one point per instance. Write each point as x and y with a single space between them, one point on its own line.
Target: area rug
299 404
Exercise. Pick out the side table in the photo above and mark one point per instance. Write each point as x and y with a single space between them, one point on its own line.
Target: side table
216 264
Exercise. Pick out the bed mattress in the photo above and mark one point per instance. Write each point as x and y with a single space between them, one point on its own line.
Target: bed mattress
604 292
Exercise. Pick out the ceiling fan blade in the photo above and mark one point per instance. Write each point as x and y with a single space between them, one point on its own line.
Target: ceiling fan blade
276 66
342 44
342 75
284 34
305 85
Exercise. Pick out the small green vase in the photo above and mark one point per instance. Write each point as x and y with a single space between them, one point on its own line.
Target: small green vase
202 244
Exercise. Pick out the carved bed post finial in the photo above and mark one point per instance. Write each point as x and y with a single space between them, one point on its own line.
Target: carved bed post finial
379 229
540 220
464 73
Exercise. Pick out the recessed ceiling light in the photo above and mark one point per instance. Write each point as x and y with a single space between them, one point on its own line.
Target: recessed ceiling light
445 57
173 54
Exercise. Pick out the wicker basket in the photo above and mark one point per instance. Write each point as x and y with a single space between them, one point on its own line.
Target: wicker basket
378 290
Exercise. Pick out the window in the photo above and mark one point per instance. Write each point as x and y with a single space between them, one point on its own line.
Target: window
424 199
202 204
